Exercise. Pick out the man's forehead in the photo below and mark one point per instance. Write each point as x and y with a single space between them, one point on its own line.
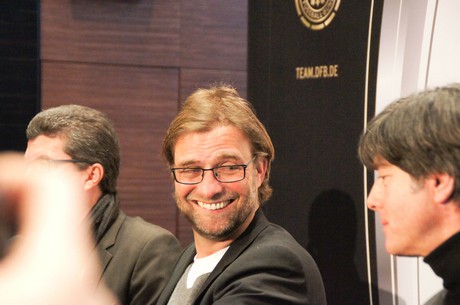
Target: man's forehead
380 162
45 146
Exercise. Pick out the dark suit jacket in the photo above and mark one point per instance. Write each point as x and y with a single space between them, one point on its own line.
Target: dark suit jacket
265 265
136 259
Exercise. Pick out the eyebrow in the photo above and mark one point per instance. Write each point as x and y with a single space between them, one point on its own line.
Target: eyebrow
225 157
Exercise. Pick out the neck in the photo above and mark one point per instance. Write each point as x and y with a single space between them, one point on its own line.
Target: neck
205 246
93 197
448 226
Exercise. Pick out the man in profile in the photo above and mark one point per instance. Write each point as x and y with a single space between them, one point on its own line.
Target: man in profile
414 145
136 256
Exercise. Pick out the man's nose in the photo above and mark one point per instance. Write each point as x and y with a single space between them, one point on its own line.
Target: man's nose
209 186
374 197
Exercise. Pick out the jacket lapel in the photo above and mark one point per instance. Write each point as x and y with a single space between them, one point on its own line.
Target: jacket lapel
103 248
259 223
185 259
236 248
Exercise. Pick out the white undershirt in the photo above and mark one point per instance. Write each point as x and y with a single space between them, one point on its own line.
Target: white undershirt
204 265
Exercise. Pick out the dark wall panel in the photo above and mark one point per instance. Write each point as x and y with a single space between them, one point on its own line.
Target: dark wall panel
19 66
315 117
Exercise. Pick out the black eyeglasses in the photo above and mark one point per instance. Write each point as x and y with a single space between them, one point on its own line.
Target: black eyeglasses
68 161
225 173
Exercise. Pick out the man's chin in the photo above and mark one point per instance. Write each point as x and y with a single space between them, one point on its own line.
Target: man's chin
399 252
391 249
214 235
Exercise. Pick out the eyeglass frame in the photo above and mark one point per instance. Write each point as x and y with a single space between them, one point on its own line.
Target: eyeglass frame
69 161
203 170
64 161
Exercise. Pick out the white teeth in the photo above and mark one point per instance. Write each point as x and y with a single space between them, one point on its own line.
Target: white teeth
213 206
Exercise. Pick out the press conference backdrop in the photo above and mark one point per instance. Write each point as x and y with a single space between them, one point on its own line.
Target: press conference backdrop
312 78
419 48
318 70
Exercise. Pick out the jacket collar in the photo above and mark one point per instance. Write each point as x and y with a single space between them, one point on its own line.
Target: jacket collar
258 224
108 240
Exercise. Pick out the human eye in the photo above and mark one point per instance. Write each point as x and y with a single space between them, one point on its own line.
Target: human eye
235 167
383 177
229 170
189 171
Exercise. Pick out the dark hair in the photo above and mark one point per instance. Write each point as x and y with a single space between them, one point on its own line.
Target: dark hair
420 134
206 108
89 136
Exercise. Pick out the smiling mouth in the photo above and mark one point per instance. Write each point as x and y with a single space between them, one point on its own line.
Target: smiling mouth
214 206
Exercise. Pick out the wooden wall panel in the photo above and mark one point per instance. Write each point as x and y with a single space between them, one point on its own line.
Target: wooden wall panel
141 32
214 34
141 102
137 61
192 79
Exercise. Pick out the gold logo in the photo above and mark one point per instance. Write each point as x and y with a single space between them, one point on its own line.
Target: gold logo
317 14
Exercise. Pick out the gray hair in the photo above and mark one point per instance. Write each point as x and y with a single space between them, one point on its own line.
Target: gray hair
89 136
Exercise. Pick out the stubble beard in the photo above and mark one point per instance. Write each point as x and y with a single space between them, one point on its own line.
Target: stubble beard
224 225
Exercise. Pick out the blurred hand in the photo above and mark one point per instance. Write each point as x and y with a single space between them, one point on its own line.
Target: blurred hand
53 262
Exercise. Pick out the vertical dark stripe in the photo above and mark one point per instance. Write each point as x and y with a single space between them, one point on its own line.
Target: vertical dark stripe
315 121
19 70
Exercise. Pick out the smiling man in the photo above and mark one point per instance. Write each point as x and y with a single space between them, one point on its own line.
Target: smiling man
220 158
414 144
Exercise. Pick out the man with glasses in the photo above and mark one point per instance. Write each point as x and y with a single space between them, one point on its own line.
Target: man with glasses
220 158
136 257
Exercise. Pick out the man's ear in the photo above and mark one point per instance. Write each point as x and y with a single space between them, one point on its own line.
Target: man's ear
95 174
262 165
444 187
